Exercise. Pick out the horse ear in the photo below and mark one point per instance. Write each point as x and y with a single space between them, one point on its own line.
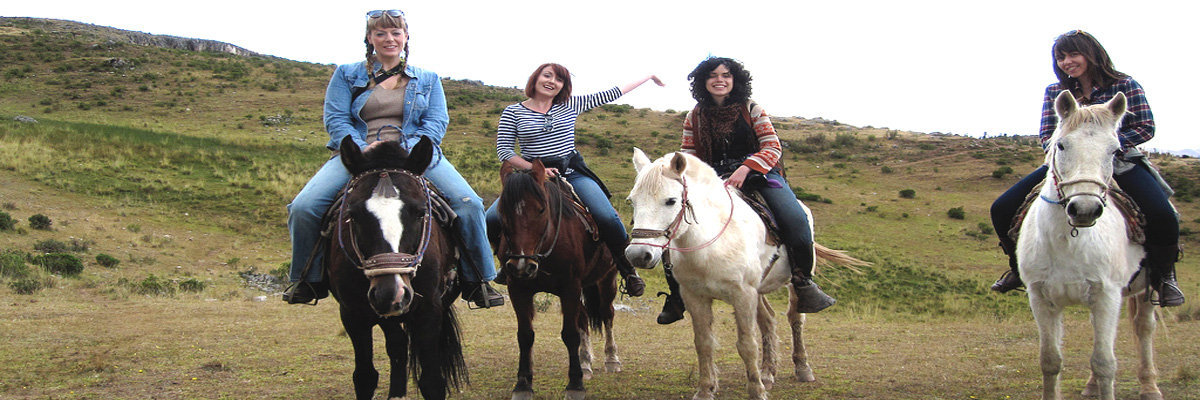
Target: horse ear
639 159
352 156
1118 106
1064 104
678 163
506 169
538 170
419 157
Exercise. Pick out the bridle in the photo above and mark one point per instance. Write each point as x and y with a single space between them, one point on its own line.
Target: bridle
538 257
1063 199
389 262
673 228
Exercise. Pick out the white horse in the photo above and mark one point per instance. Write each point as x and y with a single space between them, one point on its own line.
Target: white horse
1074 250
717 245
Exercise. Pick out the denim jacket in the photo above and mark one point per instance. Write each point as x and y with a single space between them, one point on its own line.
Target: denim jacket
424 106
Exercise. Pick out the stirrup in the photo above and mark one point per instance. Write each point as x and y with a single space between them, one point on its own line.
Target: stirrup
633 285
482 295
1169 294
302 292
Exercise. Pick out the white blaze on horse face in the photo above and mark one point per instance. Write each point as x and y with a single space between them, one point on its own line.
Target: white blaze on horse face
387 211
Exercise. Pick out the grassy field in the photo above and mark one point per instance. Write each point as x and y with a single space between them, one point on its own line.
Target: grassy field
180 165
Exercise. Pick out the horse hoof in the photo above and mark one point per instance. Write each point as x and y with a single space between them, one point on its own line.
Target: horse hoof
575 395
1150 396
768 381
523 395
1091 390
587 374
805 375
704 395
612 366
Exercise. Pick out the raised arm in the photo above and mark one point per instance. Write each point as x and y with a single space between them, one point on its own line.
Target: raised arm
628 87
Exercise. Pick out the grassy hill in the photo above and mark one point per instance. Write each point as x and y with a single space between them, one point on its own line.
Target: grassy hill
179 163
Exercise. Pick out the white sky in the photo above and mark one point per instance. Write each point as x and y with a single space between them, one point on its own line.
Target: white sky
964 67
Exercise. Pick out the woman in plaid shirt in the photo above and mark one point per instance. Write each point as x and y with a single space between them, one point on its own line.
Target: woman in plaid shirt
1083 67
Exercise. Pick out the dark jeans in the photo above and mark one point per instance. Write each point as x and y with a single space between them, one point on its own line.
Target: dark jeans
792 220
1162 226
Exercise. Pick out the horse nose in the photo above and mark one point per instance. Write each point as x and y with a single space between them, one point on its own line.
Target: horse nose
639 257
1084 212
389 302
525 268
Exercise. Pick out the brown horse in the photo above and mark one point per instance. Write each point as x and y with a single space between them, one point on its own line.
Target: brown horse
391 265
546 246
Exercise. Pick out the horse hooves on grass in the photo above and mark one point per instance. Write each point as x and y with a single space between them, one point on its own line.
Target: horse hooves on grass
1150 396
612 366
1090 390
575 395
523 395
805 375
398 398
768 381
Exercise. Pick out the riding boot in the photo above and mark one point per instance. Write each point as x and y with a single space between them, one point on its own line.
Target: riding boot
809 297
302 292
673 308
482 294
634 285
1159 264
1011 278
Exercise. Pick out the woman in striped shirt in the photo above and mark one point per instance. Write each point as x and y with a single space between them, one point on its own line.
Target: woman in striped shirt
543 127
734 135
1083 67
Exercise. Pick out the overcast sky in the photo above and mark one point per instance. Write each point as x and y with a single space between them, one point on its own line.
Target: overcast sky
965 67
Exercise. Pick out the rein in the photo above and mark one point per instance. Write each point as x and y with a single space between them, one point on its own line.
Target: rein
672 229
390 262
542 240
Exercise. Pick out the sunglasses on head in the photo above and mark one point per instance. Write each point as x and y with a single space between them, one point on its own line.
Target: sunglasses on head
390 13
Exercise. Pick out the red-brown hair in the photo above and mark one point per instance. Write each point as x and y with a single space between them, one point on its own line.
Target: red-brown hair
559 71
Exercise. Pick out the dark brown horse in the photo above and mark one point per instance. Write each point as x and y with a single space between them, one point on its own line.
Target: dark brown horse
391 265
546 246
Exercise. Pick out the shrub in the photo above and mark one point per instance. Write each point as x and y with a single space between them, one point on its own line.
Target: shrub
60 263
908 194
192 285
956 213
151 286
886 169
7 222
107 261
283 271
12 264
50 246
30 284
1001 172
39 221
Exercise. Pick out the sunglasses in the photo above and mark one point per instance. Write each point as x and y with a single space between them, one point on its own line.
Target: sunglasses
548 125
390 13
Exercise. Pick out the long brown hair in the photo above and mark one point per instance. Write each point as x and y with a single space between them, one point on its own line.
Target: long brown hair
1100 66
560 71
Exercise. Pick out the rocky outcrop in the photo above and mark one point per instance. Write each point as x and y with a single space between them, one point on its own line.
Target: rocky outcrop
181 43
108 35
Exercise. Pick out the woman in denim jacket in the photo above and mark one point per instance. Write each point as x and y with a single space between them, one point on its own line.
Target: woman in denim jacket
363 101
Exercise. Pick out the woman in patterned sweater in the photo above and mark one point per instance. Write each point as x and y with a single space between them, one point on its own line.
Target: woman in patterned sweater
734 135
543 127
1083 67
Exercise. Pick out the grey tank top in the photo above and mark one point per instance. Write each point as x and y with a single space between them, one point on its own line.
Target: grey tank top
384 109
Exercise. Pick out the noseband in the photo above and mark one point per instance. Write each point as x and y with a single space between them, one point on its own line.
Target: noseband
680 218
389 262
538 257
1059 184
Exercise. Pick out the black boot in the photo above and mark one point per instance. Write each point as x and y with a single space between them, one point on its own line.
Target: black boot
305 292
501 277
1011 278
673 308
482 294
634 285
1159 264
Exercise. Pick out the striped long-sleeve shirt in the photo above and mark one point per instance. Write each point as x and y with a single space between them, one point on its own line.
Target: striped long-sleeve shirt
769 149
545 135
1136 128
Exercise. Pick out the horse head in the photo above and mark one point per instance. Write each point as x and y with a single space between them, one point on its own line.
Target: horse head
662 197
527 218
1081 153
386 212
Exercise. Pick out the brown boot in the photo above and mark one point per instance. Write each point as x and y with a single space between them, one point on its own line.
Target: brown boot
810 298
1011 278
1159 263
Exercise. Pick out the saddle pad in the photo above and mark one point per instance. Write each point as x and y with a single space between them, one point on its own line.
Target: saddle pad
760 207
1135 221
581 211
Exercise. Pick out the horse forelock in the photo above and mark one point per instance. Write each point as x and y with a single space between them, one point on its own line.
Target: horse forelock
517 185
388 154
1097 116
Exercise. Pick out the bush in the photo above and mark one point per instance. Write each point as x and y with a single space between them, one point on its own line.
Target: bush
7 222
886 169
908 194
50 246
1001 172
956 213
151 286
12 264
31 284
39 221
60 263
192 285
107 261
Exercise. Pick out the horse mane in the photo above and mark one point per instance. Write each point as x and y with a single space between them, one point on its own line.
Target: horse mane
697 173
388 154
518 184
1090 115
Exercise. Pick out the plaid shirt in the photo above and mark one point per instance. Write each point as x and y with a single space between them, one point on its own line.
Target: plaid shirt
1136 128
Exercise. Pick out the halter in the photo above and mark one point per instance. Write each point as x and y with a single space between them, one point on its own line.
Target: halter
390 262
542 240
1059 184
680 218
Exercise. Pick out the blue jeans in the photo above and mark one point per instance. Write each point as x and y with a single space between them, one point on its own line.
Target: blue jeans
305 211
792 221
1162 226
612 230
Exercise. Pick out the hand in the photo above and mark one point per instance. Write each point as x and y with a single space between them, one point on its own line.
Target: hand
551 172
738 177
373 145
656 80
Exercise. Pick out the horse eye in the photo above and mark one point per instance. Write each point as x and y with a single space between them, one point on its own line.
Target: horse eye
1061 147
671 201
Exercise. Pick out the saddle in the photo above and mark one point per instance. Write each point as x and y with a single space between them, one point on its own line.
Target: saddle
581 211
1135 221
756 203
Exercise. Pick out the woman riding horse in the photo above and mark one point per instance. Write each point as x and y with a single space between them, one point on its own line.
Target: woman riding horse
544 127
733 134
1084 68
384 98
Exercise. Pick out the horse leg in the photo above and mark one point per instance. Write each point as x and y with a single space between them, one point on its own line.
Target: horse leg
1142 314
770 341
585 347
796 320
1106 312
571 308
706 342
365 377
522 304
606 293
1050 329
745 314
396 340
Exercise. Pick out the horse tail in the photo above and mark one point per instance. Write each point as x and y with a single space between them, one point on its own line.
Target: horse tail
595 308
450 356
828 256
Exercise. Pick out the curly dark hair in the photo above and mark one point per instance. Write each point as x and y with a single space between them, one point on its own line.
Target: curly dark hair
1100 67
741 80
